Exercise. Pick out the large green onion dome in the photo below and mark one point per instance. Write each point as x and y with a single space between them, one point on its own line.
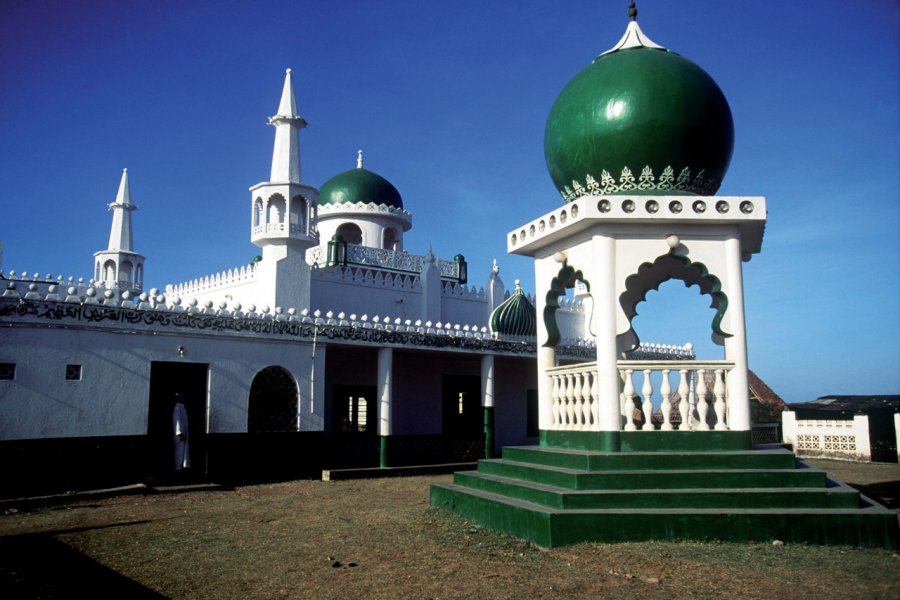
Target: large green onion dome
639 119
515 316
359 185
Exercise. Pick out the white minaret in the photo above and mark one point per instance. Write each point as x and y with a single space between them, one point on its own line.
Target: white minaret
119 266
283 217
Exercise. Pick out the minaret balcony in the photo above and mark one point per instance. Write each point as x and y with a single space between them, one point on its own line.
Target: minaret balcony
271 232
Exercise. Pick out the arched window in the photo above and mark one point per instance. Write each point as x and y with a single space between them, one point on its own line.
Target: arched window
350 233
139 276
126 272
273 401
258 212
298 212
390 239
109 269
277 207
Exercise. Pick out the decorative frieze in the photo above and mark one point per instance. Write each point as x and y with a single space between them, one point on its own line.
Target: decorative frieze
667 183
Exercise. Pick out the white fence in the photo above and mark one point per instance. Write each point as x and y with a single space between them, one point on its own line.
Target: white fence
842 439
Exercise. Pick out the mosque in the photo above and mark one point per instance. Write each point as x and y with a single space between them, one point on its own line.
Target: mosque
339 347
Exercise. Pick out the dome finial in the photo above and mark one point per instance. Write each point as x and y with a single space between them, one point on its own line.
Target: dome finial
359 159
632 11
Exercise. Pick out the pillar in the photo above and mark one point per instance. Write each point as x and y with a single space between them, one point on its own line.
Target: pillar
603 289
385 400
487 401
736 345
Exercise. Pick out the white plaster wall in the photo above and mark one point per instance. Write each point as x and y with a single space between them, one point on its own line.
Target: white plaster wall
464 311
113 396
359 299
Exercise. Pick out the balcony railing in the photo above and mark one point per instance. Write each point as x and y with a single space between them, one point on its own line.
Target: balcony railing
673 394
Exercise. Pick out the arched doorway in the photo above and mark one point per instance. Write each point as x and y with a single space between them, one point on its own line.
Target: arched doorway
350 233
273 402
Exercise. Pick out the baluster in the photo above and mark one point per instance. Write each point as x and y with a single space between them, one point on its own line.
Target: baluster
586 397
647 392
666 405
570 401
702 405
629 401
719 393
555 402
684 407
595 397
578 405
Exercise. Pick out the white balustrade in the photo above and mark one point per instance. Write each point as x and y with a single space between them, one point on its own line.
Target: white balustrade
575 404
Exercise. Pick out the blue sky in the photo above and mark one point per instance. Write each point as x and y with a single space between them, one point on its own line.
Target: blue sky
448 101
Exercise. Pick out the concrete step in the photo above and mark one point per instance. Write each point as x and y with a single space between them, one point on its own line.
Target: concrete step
775 458
836 496
871 526
618 479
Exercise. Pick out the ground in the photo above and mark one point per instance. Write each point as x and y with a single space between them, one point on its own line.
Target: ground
379 538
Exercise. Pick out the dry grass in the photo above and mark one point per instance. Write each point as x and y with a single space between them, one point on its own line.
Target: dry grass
380 539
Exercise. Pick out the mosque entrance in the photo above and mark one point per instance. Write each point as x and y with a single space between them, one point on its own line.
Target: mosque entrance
177 437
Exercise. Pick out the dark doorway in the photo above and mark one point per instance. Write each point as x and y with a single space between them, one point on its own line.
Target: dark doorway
353 409
167 379
463 416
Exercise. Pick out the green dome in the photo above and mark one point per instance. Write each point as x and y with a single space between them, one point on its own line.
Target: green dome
359 185
639 120
515 316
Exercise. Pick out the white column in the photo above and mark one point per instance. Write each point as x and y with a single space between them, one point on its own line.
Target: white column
385 390
603 289
736 345
487 381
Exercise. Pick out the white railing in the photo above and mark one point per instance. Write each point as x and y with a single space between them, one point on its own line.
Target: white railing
382 258
676 394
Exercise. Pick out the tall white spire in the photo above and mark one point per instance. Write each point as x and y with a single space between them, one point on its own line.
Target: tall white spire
287 123
119 266
120 233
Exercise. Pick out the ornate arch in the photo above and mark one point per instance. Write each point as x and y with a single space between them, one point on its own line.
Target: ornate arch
564 280
650 276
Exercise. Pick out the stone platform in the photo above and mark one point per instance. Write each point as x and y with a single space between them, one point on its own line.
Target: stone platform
555 496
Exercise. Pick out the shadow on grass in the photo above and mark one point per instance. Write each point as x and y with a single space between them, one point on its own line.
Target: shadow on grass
40 566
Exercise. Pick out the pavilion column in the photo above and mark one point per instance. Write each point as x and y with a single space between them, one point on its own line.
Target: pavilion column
487 401
385 401
736 345
603 288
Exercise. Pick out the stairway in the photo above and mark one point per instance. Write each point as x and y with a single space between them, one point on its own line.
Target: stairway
556 496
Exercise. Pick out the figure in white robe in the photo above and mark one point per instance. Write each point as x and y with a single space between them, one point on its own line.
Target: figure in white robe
180 426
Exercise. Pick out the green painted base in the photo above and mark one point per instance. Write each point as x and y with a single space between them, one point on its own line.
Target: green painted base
383 455
552 527
555 495
646 441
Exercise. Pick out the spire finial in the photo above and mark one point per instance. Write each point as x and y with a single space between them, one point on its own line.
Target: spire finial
632 11
359 159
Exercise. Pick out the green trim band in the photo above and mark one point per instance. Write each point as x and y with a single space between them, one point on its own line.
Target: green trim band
383 452
597 441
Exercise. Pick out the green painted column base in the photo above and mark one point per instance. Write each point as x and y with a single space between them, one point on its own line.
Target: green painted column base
384 460
598 441
489 432
647 441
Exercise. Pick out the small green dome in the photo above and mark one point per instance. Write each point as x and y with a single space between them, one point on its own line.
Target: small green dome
639 119
516 316
359 185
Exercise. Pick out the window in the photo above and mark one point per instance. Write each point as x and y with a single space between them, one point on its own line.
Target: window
73 372
8 371
357 417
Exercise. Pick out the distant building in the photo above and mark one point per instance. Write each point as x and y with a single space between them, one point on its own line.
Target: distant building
863 428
